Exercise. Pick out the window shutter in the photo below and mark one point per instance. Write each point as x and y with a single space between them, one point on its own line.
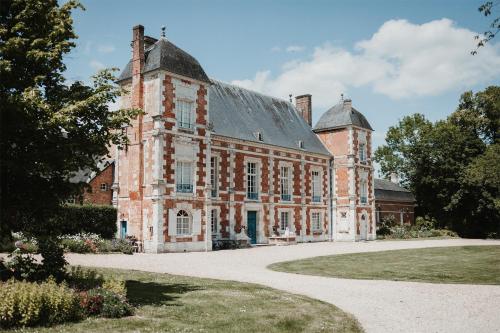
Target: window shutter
172 222
197 222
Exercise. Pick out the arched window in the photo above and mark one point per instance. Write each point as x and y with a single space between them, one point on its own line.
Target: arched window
183 223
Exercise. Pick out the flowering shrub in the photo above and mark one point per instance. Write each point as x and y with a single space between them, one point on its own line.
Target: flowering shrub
91 302
27 304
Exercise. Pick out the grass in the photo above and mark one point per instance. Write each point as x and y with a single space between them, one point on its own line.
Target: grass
169 303
464 264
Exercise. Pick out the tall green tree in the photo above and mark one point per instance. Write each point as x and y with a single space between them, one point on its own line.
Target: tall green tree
449 164
49 129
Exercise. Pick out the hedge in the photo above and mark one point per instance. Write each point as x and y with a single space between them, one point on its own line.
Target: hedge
74 219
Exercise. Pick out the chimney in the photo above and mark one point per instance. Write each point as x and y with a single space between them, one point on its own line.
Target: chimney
348 103
394 178
137 66
304 104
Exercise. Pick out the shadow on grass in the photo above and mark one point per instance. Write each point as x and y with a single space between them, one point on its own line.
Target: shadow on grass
152 293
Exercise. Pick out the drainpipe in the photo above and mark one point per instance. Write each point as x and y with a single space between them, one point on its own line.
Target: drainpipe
330 196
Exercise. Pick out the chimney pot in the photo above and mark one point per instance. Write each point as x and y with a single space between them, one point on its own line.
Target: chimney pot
348 102
303 103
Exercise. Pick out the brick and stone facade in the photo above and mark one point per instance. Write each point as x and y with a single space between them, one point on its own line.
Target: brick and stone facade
209 161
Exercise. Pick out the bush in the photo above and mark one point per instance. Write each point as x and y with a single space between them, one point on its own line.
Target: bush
28 304
73 219
115 306
83 279
24 266
91 302
116 286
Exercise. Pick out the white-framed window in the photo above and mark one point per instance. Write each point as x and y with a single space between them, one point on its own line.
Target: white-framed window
185 114
214 175
184 174
285 183
316 221
364 192
71 200
284 221
362 152
213 221
316 186
104 187
252 187
183 223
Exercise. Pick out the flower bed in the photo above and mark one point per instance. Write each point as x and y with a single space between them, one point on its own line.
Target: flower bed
81 294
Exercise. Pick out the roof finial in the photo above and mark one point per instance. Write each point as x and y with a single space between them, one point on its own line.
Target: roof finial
290 98
163 30
342 97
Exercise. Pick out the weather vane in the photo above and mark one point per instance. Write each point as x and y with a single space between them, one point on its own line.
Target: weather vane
163 30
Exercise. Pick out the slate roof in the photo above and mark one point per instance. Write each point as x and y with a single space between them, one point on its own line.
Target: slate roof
240 113
341 115
165 55
387 190
86 175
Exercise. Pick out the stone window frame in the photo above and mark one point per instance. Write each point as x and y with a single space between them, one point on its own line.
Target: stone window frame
192 176
320 221
179 114
214 188
185 218
320 171
291 219
215 234
289 165
363 183
362 146
258 176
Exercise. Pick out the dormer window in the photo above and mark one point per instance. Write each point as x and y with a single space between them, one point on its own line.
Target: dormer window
185 114
258 136
300 144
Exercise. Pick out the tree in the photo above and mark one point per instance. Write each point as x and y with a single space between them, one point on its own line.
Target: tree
487 9
49 129
449 164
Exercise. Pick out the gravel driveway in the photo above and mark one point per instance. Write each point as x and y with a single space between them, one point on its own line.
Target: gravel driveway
380 306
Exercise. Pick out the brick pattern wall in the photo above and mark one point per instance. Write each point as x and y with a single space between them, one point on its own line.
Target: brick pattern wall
97 196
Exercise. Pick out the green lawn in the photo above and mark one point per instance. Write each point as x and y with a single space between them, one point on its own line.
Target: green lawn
464 264
168 303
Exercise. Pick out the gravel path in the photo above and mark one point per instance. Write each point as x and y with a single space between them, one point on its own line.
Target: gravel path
380 306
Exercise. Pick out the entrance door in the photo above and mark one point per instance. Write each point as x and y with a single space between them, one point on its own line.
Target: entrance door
123 229
252 226
364 227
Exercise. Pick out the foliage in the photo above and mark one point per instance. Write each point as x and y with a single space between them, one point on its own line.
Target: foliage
116 286
91 302
451 165
23 266
97 219
487 9
83 279
50 128
27 304
115 305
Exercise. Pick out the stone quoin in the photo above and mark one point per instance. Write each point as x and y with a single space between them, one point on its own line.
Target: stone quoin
209 160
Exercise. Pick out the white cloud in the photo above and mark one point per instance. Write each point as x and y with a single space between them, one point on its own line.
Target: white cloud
400 60
294 48
275 49
96 65
106 48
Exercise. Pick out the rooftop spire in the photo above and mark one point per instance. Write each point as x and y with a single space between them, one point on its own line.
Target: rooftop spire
163 31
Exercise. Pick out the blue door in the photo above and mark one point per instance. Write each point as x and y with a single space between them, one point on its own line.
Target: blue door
123 229
252 226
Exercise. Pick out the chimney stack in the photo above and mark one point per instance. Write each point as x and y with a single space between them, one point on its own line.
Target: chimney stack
394 178
137 66
348 103
303 103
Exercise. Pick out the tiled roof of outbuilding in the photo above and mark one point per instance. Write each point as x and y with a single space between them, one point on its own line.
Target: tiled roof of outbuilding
240 113
387 190
341 115
165 55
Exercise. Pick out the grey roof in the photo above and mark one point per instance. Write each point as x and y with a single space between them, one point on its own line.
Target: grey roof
387 190
165 55
86 175
341 115
240 113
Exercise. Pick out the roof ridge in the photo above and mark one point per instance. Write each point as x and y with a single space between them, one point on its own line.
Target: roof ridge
252 91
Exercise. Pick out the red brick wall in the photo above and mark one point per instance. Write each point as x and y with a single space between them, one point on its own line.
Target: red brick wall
95 195
386 208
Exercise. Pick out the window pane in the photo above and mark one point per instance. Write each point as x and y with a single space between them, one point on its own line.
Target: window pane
252 192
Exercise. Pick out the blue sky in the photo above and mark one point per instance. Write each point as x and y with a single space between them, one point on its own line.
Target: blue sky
393 58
